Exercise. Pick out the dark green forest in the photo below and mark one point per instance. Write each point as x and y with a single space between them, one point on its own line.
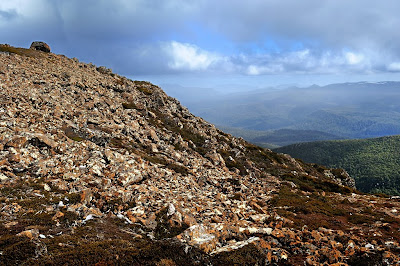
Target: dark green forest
373 163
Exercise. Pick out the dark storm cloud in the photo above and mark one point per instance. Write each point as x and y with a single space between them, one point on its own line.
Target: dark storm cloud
105 32
125 35
141 20
329 22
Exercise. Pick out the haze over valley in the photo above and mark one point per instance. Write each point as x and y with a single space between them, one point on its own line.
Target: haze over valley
281 116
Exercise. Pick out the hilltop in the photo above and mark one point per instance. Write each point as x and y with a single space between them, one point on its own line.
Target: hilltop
99 169
374 163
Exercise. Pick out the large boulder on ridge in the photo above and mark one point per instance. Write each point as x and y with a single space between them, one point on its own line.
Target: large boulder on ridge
41 46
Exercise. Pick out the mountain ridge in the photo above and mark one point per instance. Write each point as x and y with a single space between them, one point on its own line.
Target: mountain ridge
97 168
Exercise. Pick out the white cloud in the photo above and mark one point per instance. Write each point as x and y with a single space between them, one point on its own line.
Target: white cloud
256 70
353 58
394 67
306 61
185 56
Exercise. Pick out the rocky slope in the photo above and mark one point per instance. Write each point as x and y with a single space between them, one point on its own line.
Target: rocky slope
97 168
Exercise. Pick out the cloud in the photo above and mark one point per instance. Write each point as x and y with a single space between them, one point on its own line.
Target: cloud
122 20
8 15
353 59
254 37
339 23
305 62
184 56
394 67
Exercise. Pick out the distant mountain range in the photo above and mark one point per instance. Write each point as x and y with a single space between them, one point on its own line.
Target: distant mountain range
280 137
373 163
346 110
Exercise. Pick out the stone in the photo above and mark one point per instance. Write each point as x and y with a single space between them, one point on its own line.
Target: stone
3 177
57 215
44 141
201 237
47 187
31 233
171 209
257 207
17 142
40 46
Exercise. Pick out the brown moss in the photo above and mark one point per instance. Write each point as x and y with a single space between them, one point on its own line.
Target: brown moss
186 133
124 143
367 259
43 219
145 90
105 242
120 80
68 218
307 183
19 51
260 155
359 219
231 162
72 134
129 105
116 205
247 255
18 252
73 198
142 83
165 262
164 228
307 205
155 159
178 168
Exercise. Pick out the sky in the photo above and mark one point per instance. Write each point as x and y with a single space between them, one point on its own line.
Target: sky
224 44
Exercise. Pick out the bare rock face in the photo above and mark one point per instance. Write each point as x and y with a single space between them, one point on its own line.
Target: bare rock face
40 46
96 168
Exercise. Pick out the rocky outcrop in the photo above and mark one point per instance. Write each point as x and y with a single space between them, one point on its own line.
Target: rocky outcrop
97 168
40 46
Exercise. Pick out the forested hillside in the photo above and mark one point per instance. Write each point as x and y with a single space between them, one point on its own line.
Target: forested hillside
373 163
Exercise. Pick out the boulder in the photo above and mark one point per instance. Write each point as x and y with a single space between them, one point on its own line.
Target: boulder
104 70
40 46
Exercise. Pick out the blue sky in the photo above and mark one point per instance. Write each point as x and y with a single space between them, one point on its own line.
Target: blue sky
222 44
